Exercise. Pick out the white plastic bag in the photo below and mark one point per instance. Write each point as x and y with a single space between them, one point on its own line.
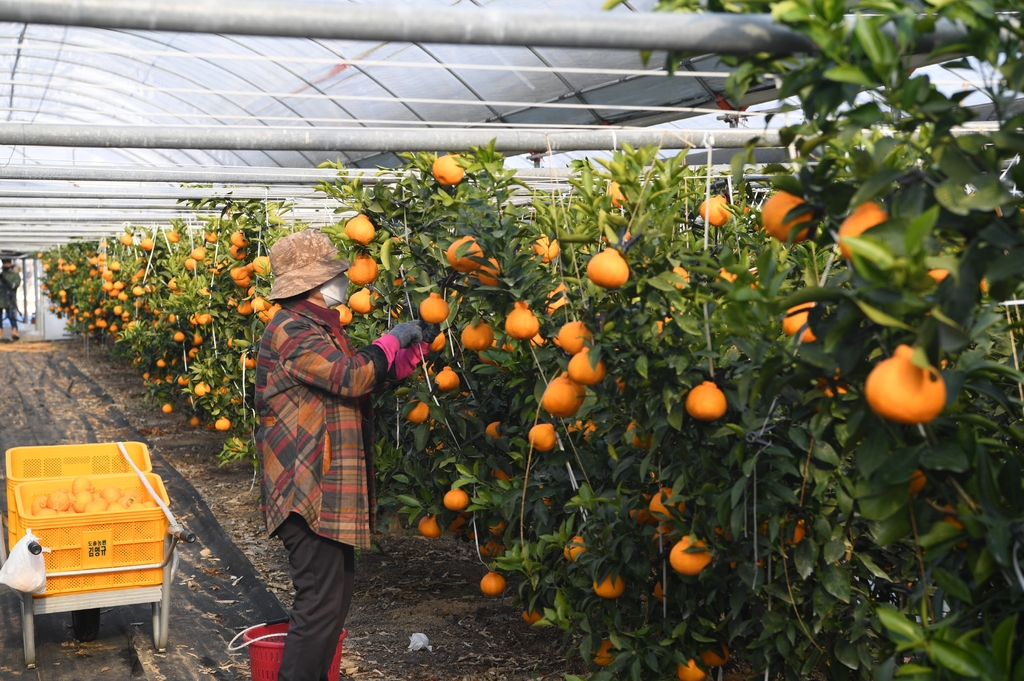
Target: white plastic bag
24 571
420 642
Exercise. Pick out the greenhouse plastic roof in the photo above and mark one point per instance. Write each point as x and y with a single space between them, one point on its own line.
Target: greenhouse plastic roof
55 74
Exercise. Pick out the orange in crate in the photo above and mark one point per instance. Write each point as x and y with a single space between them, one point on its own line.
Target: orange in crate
96 540
25 464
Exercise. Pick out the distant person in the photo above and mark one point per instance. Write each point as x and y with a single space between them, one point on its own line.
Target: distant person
10 280
315 440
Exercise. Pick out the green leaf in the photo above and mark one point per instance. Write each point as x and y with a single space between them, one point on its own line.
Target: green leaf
879 317
846 653
872 567
870 250
804 555
837 582
876 184
919 228
410 500
641 365
848 73
898 625
1002 644
953 585
945 456
385 255
823 451
954 658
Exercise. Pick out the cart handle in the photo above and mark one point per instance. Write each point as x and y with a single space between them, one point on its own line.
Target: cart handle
181 534
232 647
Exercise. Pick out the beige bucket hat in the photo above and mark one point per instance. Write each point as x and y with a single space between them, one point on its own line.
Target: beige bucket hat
301 262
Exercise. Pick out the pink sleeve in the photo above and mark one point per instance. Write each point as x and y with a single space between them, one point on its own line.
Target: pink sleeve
407 359
390 345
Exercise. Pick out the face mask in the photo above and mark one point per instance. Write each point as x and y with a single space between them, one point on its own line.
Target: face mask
335 291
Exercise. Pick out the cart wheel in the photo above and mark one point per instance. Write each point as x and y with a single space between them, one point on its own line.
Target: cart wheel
86 623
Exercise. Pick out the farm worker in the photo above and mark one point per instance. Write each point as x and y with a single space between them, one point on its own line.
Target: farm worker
315 439
10 280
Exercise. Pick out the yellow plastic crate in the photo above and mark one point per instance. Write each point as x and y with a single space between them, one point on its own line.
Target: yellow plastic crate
25 464
81 541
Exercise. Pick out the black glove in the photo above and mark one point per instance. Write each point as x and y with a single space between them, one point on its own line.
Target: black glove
429 330
407 333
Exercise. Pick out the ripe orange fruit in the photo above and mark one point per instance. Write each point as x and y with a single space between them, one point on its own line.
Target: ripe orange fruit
434 309
491 549
344 314
938 275
574 548
493 584
774 213
194 422
198 253
447 380
492 429
81 484
456 499
167 408
222 424
470 250
419 413
127 240
898 390
608 269
712 658
557 298
190 264
211 237
428 527
706 402
447 171
542 437
360 229
657 506
363 270
572 336
681 271
796 319
866 216
179 337
603 656
714 211
201 390
261 266
618 198
146 244
488 274
583 372
917 482
238 240
532 617
610 588
690 671
799 532
477 337
521 323
689 563
563 397
547 248
360 301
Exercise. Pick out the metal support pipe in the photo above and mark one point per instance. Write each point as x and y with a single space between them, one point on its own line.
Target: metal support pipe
708 32
722 33
313 139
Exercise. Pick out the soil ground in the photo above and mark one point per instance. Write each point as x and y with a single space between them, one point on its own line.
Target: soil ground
412 585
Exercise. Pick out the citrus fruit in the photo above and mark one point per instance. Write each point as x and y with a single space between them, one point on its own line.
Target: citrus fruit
714 211
657 506
492 429
477 337
583 371
222 424
434 309
900 391
690 671
716 658
689 563
706 402
796 319
618 198
774 213
532 617
360 301
521 323
917 482
610 588
447 380
469 249
574 548
563 396
603 656
419 413
542 437
363 270
547 248
572 336
608 269
428 527
866 216
456 499
492 584
447 171
360 229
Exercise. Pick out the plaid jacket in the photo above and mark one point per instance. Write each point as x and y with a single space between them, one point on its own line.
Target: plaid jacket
315 439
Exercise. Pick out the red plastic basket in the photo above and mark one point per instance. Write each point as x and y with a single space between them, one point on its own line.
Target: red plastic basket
265 655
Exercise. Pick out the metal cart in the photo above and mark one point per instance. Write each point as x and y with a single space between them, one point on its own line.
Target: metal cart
85 607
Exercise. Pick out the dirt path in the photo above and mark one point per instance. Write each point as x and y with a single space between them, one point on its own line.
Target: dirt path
413 585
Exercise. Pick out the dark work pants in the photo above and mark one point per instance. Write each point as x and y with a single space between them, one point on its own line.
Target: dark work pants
323 572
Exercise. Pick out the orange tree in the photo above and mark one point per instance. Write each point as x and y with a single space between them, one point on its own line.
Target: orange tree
185 304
